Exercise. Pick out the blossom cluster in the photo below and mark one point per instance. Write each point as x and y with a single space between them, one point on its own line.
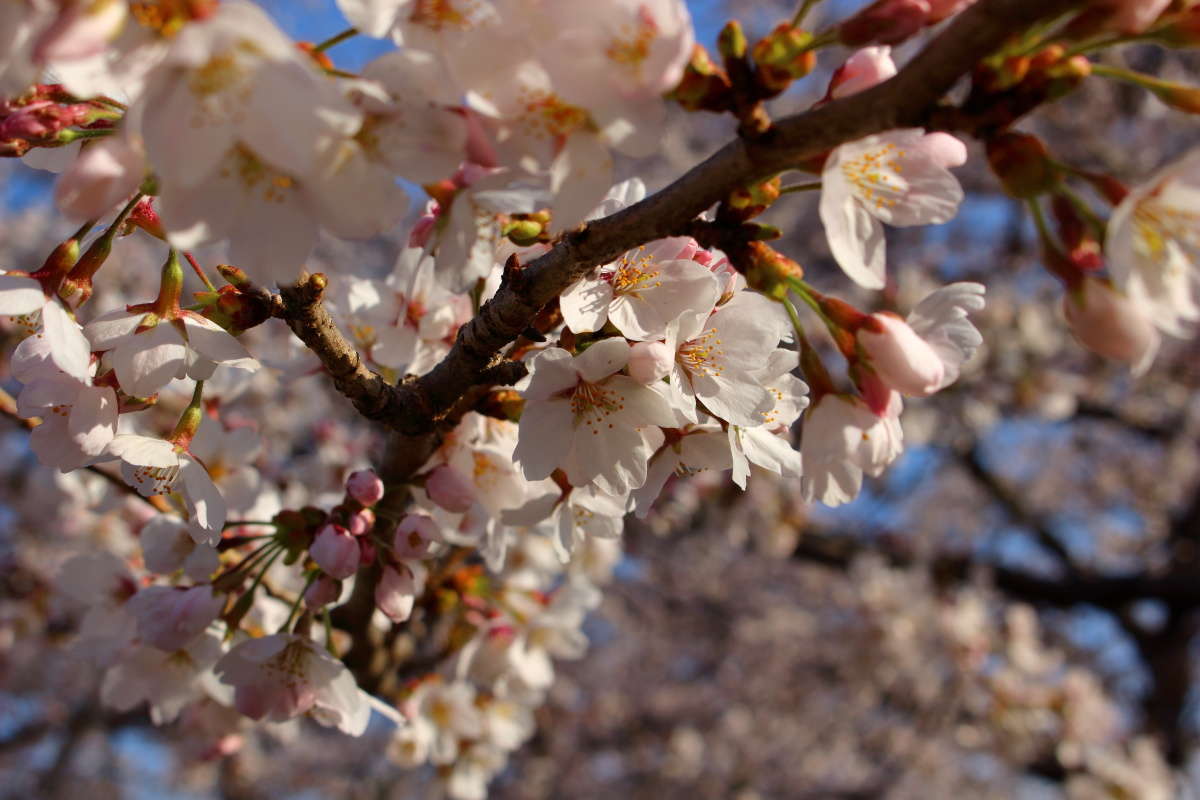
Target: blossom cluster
203 123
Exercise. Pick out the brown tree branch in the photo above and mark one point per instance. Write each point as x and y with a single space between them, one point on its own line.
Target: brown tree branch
414 407
1179 590
972 460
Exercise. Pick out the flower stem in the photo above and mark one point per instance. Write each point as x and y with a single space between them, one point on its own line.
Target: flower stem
191 259
819 382
801 187
1098 225
329 634
801 12
336 39
312 576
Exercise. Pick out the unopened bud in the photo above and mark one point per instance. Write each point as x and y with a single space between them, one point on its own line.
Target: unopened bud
1108 323
523 232
864 69
61 259
365 487
901 358
234 276
335 551
415 534
731 41
1022 164
884 22
704 86
769 271
321 592
750 201
395 593
449 489
360 522
782 56
233 310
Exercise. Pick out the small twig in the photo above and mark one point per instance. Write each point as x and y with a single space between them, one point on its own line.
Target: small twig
336 39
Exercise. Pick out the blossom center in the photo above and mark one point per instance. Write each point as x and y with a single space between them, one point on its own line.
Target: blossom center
438 15
874 176
631 276
1158 224
592 405
254 175
701 356
156 480
545 115
631 46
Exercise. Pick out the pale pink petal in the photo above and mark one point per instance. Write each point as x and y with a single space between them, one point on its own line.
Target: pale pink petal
20 295
69 348
602 359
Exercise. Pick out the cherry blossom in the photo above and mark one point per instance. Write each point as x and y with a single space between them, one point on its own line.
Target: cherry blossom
719 357
924 354
862 70
336 551
24 297
901 178
1107 322
282 676
842 439
167 546
1153 243
166 681
570 400
642 292
150 344
79 419
156 466
170 617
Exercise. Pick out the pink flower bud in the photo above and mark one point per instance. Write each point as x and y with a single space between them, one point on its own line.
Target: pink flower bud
1108 323
449 489
900 357
321 592
169 618
864 69
414 535
335 551
944 149
365 487
423 228
885 22
367 552
944 9
395 593
361 521
105 173
650 362
1131 17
